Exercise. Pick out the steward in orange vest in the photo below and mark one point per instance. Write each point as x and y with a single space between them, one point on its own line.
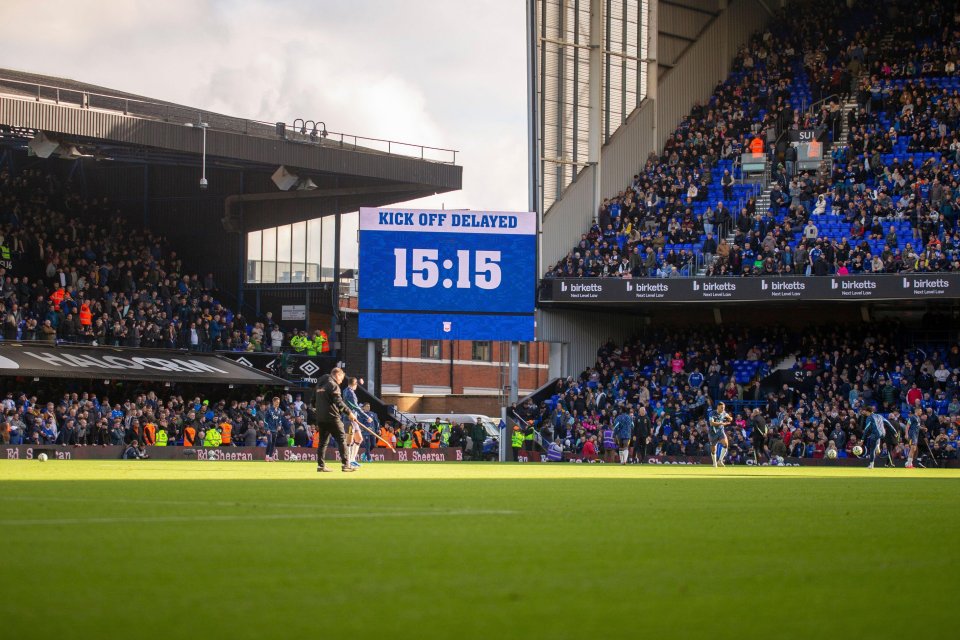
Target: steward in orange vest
57 297
86 318
226 434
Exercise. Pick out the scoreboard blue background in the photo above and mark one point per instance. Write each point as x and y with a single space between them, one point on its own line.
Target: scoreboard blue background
447 275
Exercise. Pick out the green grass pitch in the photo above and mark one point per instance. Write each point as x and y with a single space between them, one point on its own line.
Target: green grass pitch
104 549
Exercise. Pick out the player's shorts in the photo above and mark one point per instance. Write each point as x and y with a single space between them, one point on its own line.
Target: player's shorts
623 443
914 436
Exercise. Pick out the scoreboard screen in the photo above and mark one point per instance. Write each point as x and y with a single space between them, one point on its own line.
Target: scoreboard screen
447 275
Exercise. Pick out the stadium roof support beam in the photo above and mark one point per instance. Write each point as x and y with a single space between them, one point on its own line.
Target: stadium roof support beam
687 7
594 134
653 71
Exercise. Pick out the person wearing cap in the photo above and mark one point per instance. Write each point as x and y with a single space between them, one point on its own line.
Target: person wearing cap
516 441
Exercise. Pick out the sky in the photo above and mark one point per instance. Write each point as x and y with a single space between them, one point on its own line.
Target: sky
433 72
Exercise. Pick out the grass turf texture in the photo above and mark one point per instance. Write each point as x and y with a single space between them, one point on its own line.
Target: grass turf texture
104 549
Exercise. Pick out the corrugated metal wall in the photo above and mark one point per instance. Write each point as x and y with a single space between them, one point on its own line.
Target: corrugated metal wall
567 219
706 61
329 156
582 332
627 150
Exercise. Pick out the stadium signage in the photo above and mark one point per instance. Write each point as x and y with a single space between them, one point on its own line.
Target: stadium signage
221 454
115 363
752 289
293 366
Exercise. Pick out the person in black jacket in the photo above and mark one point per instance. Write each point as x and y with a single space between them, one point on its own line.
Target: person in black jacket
327 407
641 430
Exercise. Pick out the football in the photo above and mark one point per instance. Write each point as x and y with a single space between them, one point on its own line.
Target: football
832 454
42 457
857 450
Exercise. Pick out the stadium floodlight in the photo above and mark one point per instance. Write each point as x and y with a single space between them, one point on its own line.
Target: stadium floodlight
322 132
284 178
316 129
42 146
203 158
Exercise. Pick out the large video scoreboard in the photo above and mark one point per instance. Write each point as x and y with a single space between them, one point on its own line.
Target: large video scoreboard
447 275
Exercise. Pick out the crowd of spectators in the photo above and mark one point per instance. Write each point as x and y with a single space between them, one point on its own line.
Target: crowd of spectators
669 381
74 269
149 418
891 202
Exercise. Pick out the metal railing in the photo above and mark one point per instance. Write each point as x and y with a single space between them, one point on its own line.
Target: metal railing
811 110
173 113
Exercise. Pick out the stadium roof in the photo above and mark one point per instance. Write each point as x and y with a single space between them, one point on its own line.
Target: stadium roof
115 125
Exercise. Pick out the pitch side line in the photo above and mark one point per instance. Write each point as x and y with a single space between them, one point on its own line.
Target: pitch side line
241 518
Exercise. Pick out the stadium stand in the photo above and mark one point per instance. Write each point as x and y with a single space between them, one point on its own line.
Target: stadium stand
889 203
172 419
678 376
76 271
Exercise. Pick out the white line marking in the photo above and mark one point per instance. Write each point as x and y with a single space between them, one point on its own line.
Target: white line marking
239 517
196 503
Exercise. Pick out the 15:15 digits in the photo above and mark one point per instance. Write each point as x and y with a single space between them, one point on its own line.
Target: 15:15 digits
425 269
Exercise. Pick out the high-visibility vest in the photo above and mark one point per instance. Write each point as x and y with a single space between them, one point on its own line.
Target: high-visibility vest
385 434
161 438
227 435
516 439
4 252
57 297
529 436
435 440
86 318
189 435
212 438
417 439
756 145
149 433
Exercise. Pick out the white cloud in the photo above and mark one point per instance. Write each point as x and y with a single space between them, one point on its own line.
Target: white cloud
438 73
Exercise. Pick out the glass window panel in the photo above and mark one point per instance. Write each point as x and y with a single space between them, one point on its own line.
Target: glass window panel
314 249
298 253
349 226
269 272
254 253
430 349
329 246
481 350
283 253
